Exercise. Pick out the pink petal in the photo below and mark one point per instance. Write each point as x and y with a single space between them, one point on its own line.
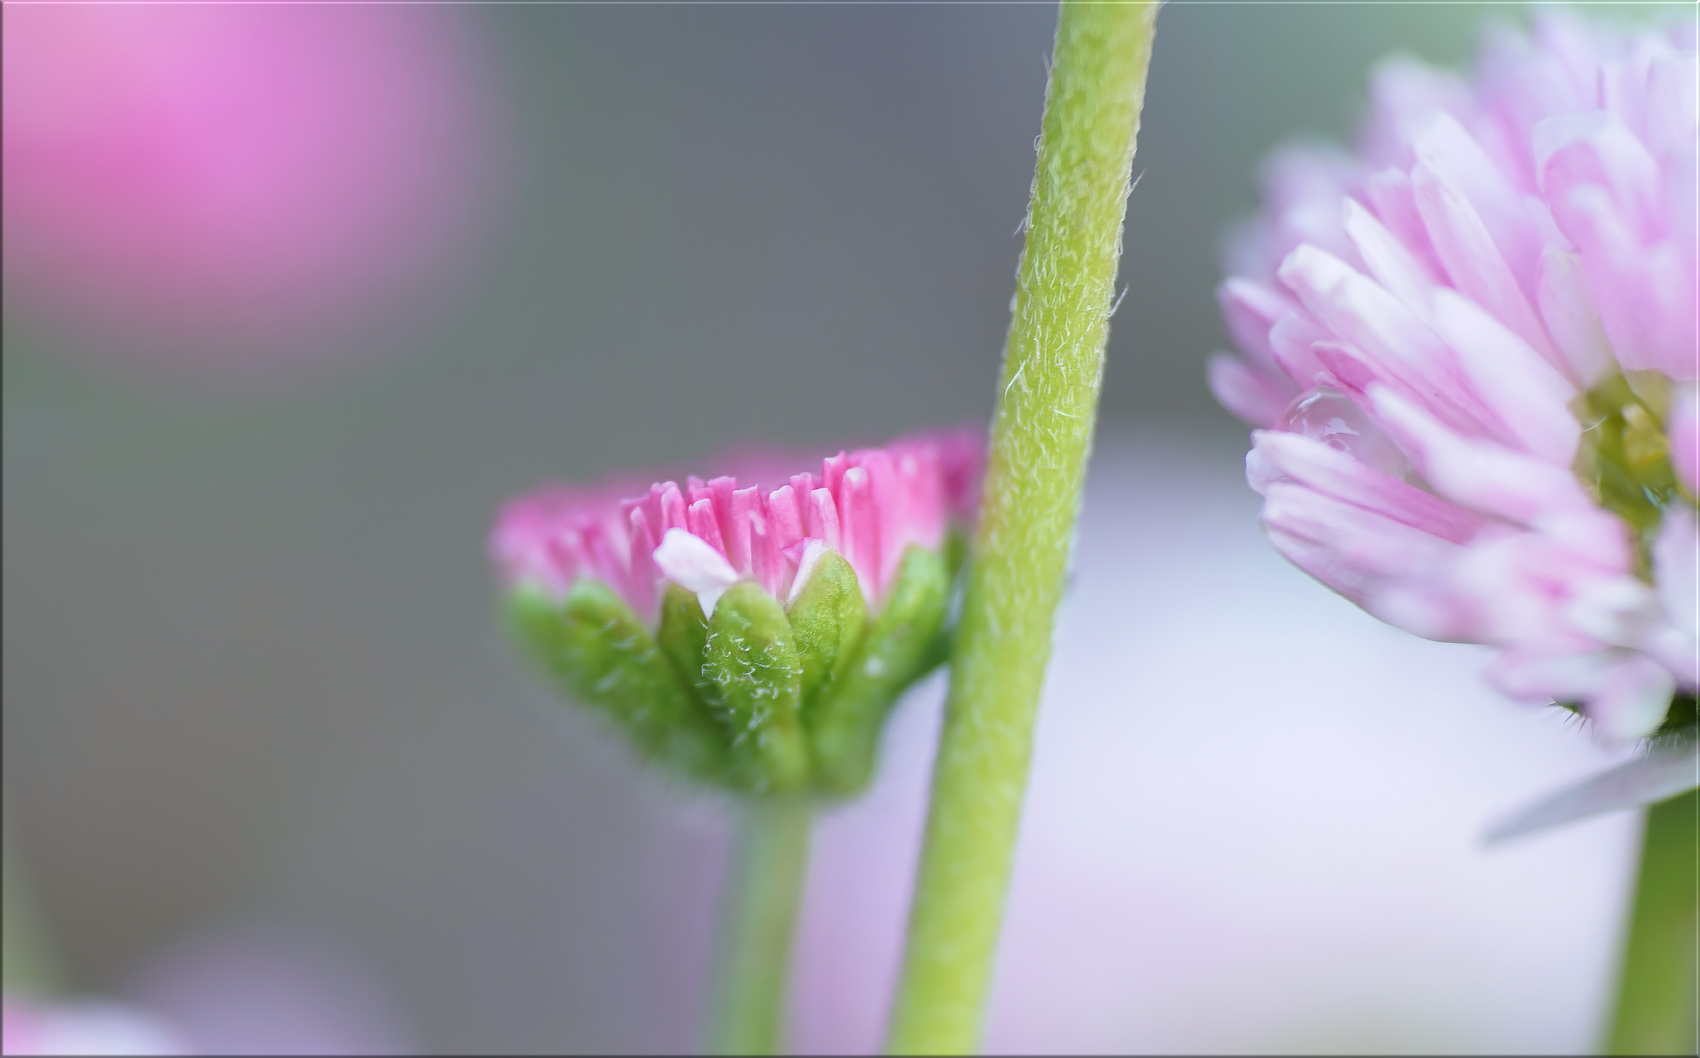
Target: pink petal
888 502
1428 606
803 485
784 516
823 521
1479 474
1671 107
858 528
921 471
1542 678
1617 610
1390 195
1405 96
1645 294
833 469
644 574
1372 544
1632 700
1451 157
1568 311
1336 474
741 506
1253 397
1389 261
1593 147
702 522
1323 563
1250 309
1523 586
1402 349
1292 339
1685 435
767 562
1525 393
672 507
1474 263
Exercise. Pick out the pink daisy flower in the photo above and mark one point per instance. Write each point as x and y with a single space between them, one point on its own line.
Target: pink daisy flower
749 635
1470 352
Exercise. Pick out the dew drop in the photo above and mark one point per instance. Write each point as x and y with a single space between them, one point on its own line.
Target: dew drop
1329 416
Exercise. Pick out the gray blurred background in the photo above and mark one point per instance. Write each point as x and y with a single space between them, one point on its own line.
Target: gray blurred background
251 670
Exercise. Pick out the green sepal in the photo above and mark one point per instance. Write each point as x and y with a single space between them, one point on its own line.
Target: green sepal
900 646
597 650
955 552
751 657
683 636
827 619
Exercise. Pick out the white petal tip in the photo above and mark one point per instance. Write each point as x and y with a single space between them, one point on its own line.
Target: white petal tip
692 563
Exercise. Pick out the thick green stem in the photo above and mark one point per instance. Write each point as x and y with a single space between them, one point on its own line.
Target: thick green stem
1041 435
1657 1008
760 914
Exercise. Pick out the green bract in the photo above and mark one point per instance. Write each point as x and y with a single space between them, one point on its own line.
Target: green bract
759 697
596 650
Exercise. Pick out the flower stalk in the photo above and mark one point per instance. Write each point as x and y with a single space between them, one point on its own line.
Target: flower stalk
759 918
1041 437
27 964
1657 1010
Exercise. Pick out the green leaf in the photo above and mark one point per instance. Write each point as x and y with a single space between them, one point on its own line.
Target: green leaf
900 647
751 657
599 652
827 619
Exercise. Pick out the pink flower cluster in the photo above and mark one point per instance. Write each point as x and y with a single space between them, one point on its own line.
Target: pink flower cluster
1471 352
867 505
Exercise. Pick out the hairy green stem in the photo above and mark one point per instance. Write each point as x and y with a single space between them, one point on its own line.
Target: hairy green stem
1041 436
1657 1009
760 916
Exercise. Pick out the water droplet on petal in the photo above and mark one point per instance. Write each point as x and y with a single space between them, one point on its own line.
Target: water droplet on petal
1329 416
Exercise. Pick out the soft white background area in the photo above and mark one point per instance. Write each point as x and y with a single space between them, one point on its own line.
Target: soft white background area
1254 821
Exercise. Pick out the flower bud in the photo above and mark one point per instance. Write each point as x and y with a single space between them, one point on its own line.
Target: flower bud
596 650
751 640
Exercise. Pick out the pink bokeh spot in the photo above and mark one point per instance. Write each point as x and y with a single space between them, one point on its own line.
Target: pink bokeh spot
18 1028
231 187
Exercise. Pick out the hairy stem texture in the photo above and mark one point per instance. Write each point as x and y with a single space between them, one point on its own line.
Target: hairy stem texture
1657 1004
760 917
1041 436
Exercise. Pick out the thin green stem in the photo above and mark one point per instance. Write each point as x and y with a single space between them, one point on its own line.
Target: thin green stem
26 960
760 916
1041 436
1657 1007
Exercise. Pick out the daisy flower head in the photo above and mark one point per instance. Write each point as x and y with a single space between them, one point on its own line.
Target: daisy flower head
1469 349
747 635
